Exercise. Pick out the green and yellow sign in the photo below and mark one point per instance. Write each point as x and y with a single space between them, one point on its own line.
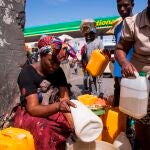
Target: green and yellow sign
105 22
65 27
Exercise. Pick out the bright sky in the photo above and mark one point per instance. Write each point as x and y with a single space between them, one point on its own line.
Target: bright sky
43 12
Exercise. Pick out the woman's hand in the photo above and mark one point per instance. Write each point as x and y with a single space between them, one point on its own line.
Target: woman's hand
64 106
128 69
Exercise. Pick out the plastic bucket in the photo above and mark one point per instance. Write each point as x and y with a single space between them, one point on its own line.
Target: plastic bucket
96 145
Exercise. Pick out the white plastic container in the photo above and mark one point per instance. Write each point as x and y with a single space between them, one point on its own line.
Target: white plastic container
134 96
88 126
122 142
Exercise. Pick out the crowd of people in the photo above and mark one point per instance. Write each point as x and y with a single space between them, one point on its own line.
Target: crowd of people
44 80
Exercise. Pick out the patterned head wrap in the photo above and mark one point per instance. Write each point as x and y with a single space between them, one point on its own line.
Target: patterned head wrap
87 26
66 51
49 45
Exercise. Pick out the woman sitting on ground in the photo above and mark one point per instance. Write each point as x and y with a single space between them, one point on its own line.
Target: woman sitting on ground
45 105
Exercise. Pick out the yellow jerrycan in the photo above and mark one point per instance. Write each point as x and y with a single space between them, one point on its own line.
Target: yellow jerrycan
16 139
87 99
97 63
114 122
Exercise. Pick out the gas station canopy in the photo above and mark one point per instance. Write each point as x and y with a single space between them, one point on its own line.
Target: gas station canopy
32 34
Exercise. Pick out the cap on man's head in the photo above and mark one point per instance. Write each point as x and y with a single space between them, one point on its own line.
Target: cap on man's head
87 26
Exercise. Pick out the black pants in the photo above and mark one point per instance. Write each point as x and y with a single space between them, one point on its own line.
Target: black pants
116 91
143 135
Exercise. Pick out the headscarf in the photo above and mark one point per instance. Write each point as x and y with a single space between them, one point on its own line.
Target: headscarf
87 26
49 45
66 51
70 50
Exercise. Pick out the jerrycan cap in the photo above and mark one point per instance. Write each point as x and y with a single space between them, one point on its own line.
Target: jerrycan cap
142 74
